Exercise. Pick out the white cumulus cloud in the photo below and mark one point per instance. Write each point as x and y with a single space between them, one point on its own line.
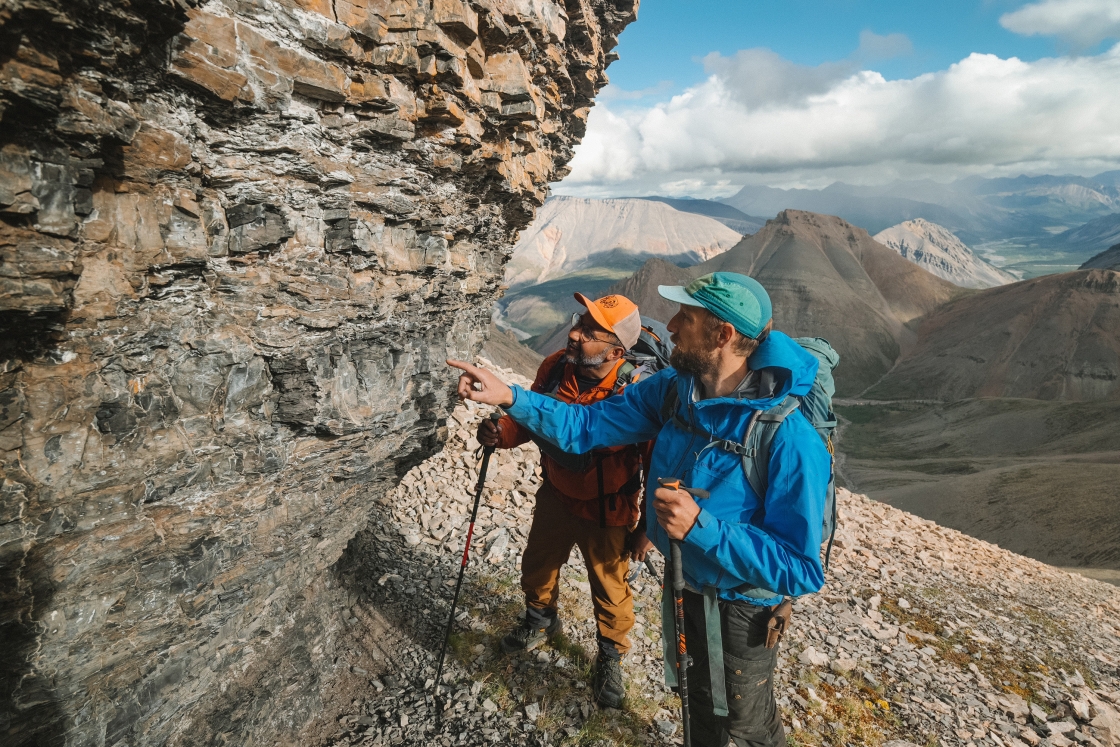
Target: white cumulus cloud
1083 23
759 117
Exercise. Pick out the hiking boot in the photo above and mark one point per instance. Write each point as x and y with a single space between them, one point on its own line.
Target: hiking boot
607 684
527 636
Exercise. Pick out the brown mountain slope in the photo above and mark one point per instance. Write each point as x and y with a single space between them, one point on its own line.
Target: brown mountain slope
828 278
1109 259
1039 478
1053 337
641 288
503 347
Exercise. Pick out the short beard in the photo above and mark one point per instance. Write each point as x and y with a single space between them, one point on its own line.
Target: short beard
693 362
700 362
586 361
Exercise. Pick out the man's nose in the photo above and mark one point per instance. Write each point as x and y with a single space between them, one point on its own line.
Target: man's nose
574 335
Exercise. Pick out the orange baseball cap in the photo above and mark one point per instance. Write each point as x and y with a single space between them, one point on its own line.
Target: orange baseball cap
615 313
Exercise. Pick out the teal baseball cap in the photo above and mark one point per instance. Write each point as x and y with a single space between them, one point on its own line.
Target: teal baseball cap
739 300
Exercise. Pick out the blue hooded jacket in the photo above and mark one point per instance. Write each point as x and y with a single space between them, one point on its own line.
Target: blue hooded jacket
740 540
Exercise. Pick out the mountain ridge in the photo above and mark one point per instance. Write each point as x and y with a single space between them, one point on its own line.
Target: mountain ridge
977 209
1092 237
938 250
1051 337
570 231
830 279
729 216
1109 259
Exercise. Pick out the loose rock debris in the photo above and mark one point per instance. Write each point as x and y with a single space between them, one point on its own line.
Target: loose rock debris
921 636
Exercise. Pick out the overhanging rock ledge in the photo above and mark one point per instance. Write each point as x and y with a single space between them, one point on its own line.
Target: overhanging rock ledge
237 240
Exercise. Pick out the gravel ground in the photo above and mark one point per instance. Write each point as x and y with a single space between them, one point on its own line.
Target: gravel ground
922 635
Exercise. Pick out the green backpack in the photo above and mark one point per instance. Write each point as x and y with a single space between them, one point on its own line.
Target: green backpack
815 405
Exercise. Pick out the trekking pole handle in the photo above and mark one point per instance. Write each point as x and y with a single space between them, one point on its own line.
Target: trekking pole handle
673 483
677 563
494 418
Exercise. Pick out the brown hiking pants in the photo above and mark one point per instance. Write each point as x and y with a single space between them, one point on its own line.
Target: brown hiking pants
553 534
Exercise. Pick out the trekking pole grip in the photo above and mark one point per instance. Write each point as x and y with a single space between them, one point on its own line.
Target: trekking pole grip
487 451
677 563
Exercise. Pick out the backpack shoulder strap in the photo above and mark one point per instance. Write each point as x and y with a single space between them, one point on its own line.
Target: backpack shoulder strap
627 374
670 404
757 441
555 376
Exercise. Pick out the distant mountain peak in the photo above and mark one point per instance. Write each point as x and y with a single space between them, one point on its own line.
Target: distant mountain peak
938 250
576 233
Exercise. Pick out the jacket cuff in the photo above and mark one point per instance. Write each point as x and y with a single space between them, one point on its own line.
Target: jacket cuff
517 392
705 532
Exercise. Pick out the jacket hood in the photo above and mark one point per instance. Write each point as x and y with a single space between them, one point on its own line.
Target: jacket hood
793 368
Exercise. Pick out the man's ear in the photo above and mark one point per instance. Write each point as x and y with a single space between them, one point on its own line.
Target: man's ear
726 334
615 353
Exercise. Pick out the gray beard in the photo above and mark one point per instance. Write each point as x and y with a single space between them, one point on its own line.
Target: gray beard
586 361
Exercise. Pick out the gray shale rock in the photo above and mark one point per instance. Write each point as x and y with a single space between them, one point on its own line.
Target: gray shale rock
237 240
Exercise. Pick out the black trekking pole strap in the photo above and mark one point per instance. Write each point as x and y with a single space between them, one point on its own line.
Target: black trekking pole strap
486 452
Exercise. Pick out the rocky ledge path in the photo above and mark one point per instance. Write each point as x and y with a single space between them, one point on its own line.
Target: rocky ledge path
922 635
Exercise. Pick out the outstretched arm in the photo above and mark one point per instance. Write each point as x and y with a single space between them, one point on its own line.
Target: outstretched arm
630 418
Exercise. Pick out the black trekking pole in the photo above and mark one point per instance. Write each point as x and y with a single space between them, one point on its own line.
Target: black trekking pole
682 648
678 613
486 452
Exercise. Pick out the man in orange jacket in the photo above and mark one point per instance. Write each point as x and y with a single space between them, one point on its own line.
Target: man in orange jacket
591 500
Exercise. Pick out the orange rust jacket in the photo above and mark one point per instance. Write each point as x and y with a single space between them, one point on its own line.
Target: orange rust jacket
579 491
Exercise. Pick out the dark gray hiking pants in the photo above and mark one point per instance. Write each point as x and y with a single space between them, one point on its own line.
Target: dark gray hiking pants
753 719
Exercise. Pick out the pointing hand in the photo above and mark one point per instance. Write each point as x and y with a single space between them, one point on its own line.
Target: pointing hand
480 385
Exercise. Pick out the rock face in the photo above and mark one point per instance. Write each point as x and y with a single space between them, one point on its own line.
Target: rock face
937 250
238 238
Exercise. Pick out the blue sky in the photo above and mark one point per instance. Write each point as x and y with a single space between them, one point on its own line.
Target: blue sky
712 94
672 36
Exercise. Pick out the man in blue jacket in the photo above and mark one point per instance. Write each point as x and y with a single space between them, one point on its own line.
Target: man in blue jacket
742 552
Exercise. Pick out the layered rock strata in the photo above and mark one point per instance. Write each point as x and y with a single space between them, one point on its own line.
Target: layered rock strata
238 238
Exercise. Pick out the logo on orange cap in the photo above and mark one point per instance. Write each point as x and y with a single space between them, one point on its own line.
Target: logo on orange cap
615 313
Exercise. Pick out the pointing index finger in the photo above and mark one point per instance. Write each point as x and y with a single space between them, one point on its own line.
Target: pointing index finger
462 365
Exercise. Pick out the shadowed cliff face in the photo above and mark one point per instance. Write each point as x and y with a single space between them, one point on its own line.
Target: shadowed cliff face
238 239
